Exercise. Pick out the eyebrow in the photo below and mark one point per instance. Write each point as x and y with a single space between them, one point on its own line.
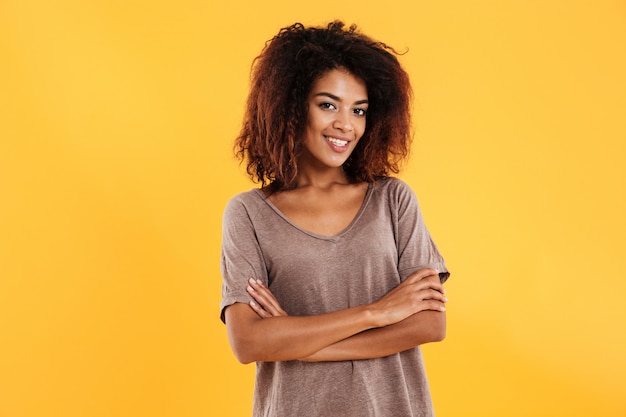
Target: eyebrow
334 97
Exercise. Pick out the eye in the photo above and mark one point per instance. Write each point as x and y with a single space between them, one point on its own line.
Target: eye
360 112
327 106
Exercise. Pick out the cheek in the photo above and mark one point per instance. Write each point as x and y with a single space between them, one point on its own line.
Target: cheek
315 122
361 128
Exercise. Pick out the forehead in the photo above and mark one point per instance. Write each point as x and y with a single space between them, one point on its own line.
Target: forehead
340 82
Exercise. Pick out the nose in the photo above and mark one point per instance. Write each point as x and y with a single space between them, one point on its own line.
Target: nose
342 121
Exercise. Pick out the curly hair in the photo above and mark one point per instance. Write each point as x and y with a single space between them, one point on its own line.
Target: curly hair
270 140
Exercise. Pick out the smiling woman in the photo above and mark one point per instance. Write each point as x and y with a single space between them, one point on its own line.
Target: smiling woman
331 280
336 119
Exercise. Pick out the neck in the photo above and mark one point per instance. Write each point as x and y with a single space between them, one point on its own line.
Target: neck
321 178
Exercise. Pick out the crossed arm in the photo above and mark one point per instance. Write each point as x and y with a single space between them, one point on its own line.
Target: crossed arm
411 314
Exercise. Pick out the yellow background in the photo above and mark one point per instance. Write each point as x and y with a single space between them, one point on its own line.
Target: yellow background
116 125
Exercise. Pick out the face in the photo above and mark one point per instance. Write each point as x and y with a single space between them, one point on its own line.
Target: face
336 119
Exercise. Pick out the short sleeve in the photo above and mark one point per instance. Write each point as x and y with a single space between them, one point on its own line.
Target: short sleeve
242 258
416 248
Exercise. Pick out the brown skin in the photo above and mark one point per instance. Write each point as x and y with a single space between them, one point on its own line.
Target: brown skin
323 209
409 315
325 201
422 327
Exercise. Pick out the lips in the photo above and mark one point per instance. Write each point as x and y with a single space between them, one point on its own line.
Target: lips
336 141
338 145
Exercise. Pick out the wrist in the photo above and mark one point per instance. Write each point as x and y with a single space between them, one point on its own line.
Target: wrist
371 317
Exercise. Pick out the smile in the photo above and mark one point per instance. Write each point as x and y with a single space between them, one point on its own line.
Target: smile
335 141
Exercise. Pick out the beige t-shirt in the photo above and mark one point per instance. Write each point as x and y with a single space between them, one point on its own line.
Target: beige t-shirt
313 274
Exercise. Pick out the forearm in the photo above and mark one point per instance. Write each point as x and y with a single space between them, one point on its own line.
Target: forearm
290 337
420 328
262 331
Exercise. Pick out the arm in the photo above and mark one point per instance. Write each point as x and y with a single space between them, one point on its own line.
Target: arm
278 337
289 337
422 327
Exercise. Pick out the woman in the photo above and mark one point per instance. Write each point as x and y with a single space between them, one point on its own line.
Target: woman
330 278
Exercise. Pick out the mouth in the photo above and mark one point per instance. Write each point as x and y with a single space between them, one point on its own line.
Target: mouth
336 141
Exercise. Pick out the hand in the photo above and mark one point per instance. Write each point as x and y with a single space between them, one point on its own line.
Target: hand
421 291
264 304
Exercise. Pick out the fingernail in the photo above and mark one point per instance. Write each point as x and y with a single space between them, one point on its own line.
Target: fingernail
252 303
249 288
259 282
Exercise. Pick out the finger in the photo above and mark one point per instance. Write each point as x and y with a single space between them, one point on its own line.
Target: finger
258 310
420 274
265 298
423 273
263 295
259 295
431 294
433 282
275 305
434 305
430 282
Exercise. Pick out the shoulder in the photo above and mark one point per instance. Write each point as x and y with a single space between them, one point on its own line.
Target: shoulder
247 203
253 196
394 190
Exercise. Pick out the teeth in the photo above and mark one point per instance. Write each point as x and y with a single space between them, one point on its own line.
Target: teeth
337 142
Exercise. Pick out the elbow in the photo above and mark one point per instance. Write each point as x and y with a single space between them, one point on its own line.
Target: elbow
240 330
243 358
438 334
242 351
439 328
436 330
